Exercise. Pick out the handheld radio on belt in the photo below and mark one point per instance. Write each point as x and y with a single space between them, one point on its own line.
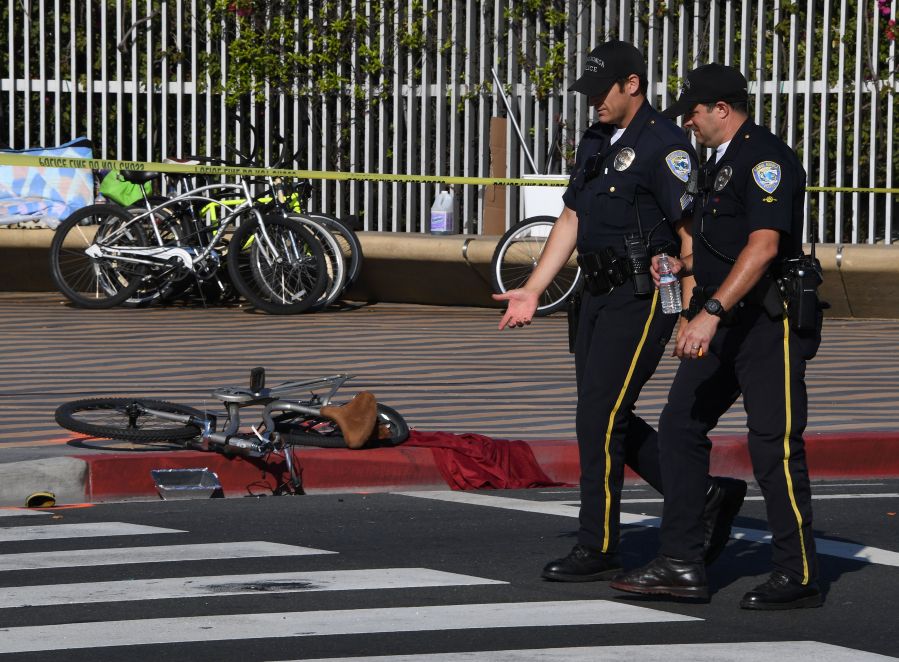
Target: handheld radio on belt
637 254
799 283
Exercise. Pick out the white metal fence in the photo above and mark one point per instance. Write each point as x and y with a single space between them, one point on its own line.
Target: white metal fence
127 74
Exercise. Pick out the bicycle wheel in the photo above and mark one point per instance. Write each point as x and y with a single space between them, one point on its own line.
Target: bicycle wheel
127 419
96 282
335 265
349 244
391 430
516 256
282 276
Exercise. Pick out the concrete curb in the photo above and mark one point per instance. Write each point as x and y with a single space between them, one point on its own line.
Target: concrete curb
65 477
113 476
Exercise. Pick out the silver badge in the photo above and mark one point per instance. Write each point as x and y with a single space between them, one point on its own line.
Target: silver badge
624 158
723 177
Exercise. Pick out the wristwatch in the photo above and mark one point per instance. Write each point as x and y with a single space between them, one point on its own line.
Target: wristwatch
713 307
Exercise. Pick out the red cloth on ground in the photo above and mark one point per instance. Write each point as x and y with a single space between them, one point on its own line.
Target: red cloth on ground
474 462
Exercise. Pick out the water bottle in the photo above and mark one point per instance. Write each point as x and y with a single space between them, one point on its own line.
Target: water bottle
669 287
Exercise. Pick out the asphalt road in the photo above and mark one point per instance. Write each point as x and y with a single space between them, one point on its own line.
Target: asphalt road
418 574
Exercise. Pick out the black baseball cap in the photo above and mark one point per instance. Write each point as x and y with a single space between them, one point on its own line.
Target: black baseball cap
607 63
709 83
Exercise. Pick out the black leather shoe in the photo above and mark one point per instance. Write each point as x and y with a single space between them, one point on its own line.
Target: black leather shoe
722 504
583 565
666 576
782 592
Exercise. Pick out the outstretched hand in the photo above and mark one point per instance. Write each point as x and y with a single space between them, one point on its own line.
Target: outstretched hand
521 308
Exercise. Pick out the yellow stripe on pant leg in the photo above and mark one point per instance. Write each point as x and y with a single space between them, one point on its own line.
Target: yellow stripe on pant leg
627 381
788 403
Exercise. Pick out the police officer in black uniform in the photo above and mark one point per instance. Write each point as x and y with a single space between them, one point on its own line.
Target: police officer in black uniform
744 337
626 193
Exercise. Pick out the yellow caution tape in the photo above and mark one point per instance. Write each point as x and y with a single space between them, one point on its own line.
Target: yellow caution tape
203 169
8 158
848 189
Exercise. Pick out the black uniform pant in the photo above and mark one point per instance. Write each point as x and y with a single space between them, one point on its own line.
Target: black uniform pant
620 340
763 359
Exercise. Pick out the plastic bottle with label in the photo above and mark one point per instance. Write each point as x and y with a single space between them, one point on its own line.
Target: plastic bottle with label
669 287
443 218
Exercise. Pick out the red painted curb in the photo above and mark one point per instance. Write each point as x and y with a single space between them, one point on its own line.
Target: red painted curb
858 454
122 475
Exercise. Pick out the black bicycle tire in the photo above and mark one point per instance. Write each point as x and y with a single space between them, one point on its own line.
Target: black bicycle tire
61 254
259 294
345 230
336 264
399 432
67 416
555 297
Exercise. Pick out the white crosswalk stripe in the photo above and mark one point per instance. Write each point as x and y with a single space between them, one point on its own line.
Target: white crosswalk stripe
22 512
153 554
836 548
96 530
331 622
202 587
799 651
752 651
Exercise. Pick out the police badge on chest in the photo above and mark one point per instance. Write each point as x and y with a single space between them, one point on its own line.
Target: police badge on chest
624 158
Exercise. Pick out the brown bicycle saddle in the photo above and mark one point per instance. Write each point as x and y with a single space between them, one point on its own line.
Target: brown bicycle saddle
356 419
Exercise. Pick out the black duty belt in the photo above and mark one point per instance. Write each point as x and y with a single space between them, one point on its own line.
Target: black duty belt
764 295
604 270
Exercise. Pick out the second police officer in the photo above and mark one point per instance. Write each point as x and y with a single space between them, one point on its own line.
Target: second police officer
755 322
627 192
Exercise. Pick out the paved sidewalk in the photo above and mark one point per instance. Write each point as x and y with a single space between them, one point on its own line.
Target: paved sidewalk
444 368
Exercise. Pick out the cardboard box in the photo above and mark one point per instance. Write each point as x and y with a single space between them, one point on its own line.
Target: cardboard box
494 219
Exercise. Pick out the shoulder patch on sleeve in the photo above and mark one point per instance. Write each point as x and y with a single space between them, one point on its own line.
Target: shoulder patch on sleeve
679 164
767 175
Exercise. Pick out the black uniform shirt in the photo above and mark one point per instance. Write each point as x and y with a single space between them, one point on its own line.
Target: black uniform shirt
757 184
647 168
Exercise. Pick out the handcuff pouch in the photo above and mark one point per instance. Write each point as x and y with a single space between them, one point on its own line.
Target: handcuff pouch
603 271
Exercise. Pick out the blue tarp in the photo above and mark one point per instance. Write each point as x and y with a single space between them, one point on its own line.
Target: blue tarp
34 193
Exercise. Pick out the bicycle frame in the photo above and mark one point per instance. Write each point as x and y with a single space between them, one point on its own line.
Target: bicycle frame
187 256
236 398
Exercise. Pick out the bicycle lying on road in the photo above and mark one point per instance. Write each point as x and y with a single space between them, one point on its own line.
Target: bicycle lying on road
313 420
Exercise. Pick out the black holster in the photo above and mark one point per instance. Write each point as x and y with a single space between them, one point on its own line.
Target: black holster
574 318
767 294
